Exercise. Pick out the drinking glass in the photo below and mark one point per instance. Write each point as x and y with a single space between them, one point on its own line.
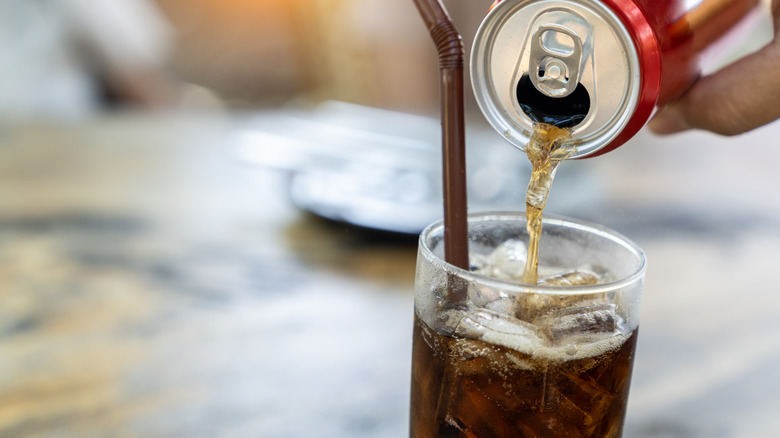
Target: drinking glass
493 357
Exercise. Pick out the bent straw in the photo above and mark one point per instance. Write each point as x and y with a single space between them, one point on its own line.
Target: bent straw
450 48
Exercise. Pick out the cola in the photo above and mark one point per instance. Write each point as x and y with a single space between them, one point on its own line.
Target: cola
472 388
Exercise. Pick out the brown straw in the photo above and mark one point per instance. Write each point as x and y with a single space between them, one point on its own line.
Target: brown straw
450 47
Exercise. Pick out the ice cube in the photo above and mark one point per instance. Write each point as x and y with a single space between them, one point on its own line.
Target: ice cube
471 326
499 330
534 305
572 326
574 278
492 299
506 262
506 305
478 261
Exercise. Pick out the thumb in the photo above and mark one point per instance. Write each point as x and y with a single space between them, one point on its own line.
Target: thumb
740 97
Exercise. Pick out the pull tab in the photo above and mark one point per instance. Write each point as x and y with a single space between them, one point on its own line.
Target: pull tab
555 60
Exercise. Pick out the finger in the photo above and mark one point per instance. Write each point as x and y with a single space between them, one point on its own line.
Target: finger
736 99
776 14
670 120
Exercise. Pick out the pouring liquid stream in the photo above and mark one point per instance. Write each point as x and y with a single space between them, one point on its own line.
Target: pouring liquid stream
548 146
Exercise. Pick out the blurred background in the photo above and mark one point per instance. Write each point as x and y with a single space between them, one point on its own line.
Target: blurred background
243 52
209 209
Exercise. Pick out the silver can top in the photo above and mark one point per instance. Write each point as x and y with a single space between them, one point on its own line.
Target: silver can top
568 62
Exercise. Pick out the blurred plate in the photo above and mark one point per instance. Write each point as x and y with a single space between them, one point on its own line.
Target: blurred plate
382 169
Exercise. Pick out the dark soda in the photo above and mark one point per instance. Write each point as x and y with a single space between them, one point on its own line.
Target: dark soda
472 388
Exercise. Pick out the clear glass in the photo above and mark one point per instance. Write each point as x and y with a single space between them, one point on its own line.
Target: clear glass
496 358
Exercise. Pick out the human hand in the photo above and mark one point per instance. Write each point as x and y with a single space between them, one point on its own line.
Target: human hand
738 98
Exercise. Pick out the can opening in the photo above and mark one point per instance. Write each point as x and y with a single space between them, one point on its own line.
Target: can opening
563 112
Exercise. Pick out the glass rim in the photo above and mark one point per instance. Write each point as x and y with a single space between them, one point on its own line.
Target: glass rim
518 287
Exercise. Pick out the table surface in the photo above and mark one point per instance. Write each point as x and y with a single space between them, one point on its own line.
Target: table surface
151 285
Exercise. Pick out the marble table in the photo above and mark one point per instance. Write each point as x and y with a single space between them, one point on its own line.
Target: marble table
152 285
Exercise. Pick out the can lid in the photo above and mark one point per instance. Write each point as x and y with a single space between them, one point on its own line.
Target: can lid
569 61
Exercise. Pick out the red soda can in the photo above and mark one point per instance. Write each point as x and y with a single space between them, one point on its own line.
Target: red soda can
599 67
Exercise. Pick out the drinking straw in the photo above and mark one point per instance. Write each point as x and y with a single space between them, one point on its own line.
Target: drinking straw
450 48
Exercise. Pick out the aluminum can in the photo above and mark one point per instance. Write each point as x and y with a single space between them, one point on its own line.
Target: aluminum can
600 67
